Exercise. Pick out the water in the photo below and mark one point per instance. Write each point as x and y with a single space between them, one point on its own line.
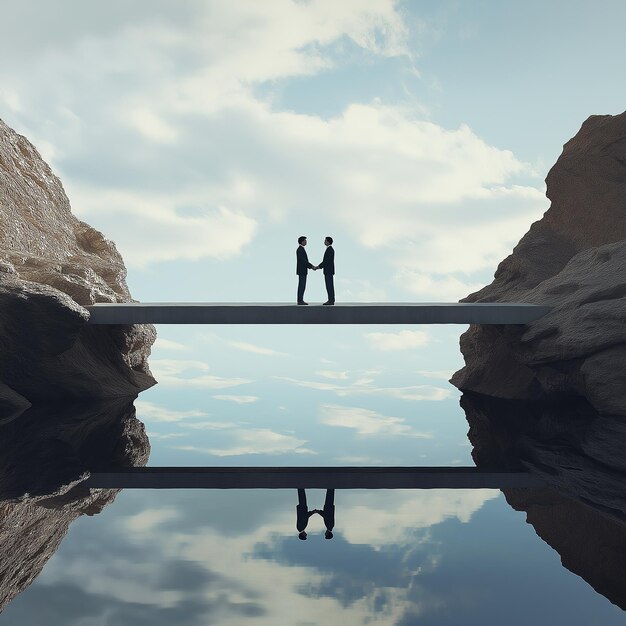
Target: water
192 557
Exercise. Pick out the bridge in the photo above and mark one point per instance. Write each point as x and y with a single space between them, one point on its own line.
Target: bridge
311 478
356 313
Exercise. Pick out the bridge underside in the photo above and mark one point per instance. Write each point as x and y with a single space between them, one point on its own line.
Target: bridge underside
237 313
311 478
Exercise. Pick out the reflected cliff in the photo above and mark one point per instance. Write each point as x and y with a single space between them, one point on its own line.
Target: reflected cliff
579 454
45 454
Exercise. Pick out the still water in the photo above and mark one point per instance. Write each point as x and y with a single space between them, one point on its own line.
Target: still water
196 557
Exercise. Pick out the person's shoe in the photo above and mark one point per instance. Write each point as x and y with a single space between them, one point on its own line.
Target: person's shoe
303 302
329 303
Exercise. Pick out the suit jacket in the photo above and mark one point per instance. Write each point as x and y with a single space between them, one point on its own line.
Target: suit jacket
328 264
302 262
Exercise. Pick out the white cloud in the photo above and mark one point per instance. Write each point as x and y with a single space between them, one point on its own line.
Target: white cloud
150 519
437 374
411 393
403 340
395 520
147 411
172 154
237 399
168 344
190 373
255 441
333 375
367 422
250 347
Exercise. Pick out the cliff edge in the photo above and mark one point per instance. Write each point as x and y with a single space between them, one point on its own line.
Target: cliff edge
51 266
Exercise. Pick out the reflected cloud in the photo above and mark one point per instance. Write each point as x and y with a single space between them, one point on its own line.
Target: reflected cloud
237 399
250 347
255 441
367 422
412 393
190 373
156 413
437 374
402 340
168 344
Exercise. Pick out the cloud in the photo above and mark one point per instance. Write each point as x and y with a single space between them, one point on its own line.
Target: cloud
237 399
249 347
333 375
412 393
147 411
168 344
255 441
190 373
150 519
403 340
436 374
367 422
164 143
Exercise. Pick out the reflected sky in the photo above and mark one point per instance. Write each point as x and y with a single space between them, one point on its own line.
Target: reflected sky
245 395
199 557
340 397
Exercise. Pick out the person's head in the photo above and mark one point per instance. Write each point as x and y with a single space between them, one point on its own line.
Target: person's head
328 241
328 534
302 240
302 536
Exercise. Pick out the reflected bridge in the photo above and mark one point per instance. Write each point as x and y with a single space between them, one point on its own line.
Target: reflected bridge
311 478
357 313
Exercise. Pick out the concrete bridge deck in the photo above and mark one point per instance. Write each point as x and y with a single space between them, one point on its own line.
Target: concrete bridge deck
311 478
357 313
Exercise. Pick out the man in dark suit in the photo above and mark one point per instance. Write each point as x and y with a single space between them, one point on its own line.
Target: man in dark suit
303 514
302 268
328 265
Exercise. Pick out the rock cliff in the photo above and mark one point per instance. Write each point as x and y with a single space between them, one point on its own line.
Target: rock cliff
550 397
51 266
574 260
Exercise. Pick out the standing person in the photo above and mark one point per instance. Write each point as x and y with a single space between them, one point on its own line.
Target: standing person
328 265
303 514
302 268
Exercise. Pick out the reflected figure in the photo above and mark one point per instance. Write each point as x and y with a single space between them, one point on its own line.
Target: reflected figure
329 513
303 514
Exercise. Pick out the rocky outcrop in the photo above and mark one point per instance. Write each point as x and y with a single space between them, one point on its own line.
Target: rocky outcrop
549 397
44 457
51 266
573 260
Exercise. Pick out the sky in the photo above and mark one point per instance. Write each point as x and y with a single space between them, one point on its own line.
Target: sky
204 137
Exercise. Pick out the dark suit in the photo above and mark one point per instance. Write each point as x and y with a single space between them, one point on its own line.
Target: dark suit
302 269
328 265
302 511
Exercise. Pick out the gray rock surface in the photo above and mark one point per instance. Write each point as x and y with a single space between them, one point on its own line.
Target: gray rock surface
574 260
550 397
44 456
51 266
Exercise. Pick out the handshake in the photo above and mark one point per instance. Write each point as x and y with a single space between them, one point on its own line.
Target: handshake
315 267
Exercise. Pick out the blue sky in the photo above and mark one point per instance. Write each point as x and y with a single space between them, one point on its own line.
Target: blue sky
204 137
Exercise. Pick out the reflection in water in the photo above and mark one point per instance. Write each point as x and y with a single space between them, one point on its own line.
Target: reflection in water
578 453
45 453
303 514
